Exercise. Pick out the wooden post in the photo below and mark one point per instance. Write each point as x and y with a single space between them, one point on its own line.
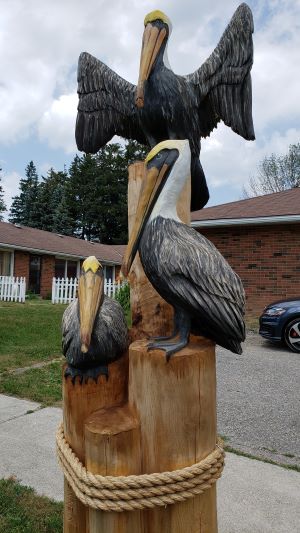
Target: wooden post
176 403
79 401
113 449
168 423
151 315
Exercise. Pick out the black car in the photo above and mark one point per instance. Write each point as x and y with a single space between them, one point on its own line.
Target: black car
280 321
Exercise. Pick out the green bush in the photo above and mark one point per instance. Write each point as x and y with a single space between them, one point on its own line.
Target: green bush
32 296
123 297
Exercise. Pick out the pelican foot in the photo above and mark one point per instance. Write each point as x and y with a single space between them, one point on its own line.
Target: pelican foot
85 374
163 339
168 347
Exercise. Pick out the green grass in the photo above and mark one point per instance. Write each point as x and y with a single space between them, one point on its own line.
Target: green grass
296 468
22 511
43 385
29 333
252 324
289 455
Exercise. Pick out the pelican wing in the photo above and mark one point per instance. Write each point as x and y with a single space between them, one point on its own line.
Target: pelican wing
106 106
223 82
192 270
210 281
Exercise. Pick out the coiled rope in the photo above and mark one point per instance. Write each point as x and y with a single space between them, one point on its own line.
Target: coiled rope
128 493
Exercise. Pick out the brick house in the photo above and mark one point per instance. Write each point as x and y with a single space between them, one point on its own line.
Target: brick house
40 255
260 238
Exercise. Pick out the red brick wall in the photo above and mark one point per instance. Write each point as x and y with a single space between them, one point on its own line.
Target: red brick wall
117 272
267 258
21 265
48 269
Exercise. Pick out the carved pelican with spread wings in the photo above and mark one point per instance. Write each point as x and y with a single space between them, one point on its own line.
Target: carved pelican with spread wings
164 105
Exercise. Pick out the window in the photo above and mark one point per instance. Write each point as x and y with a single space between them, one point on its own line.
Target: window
71 269
60 265
109 273
5 262
34 273
65 268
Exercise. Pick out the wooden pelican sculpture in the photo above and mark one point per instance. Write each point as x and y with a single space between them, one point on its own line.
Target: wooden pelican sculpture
94 329
167 106
183 266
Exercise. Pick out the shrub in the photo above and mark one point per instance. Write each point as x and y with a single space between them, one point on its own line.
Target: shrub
123 297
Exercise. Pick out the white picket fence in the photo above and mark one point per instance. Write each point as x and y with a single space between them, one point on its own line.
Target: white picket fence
12 289
64 289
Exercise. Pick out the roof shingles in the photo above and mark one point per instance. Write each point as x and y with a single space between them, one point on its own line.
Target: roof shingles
276 204
53 243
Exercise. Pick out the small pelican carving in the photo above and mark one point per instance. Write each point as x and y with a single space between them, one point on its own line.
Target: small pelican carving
94 329
183 266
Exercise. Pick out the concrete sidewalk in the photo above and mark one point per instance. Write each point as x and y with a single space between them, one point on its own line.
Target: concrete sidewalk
253 497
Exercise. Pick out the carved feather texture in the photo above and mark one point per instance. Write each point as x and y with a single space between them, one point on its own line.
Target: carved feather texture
106 106
189 272
109 337
224 78
175 107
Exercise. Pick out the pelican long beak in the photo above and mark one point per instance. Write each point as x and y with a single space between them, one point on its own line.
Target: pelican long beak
90 295
152 40
148 195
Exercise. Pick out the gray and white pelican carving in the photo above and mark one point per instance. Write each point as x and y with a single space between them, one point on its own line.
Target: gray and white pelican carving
164 105
94 330
183 266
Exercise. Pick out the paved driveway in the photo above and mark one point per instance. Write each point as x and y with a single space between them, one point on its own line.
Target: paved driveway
259 400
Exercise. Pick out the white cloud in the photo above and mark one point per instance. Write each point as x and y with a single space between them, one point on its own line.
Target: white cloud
57 124
10 184
228 160
41 41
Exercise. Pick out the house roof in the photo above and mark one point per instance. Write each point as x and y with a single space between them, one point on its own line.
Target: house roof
280 206
36 240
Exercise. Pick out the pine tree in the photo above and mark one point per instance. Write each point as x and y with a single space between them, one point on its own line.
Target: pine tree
111 190
2 203
51 193
24 209
80 195
96 192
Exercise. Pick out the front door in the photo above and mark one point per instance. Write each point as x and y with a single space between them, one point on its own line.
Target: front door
35 262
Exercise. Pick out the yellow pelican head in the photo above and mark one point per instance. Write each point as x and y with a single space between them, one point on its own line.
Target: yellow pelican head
90 296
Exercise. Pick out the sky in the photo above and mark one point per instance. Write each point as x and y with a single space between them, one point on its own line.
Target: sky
40 42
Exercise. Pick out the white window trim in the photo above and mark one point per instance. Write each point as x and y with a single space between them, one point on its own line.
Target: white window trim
12 259
66 259
12 263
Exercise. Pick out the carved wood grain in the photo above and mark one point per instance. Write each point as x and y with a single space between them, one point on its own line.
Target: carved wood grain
151 315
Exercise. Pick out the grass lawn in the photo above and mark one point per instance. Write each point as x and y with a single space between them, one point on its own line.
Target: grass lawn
29 332
43 385
22 511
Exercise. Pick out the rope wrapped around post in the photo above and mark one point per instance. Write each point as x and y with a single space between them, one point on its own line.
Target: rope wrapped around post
146 491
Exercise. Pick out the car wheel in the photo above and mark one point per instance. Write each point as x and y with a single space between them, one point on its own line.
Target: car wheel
292 335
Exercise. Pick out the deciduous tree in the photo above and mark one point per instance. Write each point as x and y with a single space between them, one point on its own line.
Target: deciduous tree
276 173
